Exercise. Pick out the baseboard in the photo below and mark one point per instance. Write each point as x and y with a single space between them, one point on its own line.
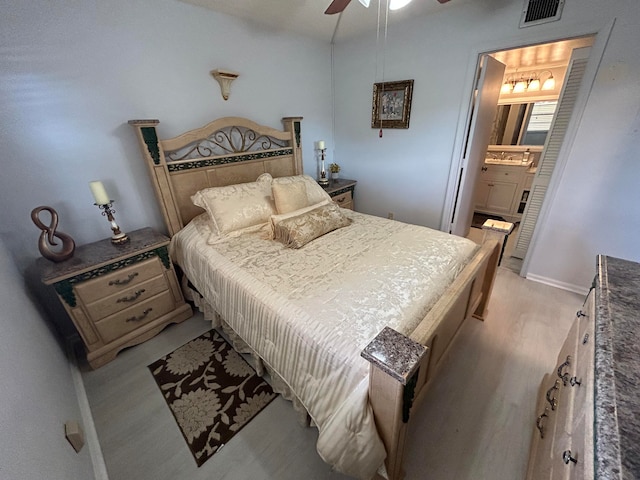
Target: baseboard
90 433
555 283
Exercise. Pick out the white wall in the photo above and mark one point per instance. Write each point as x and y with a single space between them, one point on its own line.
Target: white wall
72 73
597 207
37 394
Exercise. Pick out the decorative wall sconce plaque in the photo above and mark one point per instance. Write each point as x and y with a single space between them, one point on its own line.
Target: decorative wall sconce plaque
224 78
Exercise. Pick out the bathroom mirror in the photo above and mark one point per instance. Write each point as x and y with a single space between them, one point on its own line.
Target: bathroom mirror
524 124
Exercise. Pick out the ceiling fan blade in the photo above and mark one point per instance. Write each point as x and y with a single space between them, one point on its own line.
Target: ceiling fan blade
337 6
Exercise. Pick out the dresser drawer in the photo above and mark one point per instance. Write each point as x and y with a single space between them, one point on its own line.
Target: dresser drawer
344 200
541 442
119 280
133 317
126 298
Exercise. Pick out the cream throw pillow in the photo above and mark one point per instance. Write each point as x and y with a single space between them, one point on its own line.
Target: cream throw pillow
290 196
236 207
315 193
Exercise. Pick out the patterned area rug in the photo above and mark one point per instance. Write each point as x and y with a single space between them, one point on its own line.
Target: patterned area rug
211 391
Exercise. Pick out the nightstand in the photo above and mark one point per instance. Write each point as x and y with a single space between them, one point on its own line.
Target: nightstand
341 192
117 295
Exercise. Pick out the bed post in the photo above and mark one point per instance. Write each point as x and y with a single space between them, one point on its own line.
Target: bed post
157 165
396 364
293 126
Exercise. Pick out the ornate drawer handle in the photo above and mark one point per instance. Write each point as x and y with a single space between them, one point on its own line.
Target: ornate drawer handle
539 424
124 282
566 457
132 298
340 200
553 401
580 313
140 317
574 381
564 376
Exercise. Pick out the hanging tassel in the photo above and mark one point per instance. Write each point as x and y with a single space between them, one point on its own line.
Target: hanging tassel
380 133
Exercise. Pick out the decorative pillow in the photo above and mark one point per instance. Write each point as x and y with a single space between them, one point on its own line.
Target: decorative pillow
298 230
290 196
315 193
275 219
237 207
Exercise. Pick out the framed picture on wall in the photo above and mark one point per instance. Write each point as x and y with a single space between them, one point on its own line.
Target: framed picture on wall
391 104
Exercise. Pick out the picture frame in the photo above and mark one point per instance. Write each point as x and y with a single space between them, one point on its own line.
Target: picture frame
391 106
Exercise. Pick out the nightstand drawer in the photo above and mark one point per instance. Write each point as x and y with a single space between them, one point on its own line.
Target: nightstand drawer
344 200
125 321
119 280
126 298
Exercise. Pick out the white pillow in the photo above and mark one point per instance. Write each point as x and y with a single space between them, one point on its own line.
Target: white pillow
236 207
315 193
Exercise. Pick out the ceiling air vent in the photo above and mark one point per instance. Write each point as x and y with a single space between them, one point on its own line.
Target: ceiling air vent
540 11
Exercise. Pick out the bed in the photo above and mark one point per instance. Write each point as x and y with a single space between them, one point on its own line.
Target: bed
353 322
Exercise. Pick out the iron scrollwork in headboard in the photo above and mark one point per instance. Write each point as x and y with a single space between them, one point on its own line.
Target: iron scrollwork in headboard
228 140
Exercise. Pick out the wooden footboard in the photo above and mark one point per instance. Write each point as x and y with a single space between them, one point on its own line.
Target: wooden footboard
402 367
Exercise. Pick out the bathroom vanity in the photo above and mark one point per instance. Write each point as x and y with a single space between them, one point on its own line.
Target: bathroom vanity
504 182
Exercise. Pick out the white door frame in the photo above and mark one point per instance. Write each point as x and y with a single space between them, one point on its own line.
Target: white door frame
602 34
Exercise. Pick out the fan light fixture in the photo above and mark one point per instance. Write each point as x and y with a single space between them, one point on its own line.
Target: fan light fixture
398 4
529 82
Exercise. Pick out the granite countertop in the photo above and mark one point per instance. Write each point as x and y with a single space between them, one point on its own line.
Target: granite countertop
94 254
617 369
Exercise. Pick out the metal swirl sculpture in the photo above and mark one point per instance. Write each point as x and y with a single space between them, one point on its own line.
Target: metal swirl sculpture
47 237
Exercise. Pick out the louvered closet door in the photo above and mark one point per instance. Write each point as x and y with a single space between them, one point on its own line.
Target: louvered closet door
555 138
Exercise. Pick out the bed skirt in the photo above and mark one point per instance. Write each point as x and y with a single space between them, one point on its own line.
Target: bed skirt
260 366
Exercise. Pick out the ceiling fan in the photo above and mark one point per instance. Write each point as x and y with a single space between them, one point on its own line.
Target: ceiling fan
338 6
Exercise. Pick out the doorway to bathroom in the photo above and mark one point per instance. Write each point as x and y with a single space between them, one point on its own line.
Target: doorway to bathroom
534 109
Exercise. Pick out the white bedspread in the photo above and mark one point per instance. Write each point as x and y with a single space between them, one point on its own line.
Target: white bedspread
310 312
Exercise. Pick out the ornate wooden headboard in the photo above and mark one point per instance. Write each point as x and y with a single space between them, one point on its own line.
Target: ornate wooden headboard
226 151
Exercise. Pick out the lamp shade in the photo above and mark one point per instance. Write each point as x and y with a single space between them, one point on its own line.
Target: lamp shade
506 87
520 86
549 83
534 85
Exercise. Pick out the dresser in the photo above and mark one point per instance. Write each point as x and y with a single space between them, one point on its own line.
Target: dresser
341 192
117 295
588 408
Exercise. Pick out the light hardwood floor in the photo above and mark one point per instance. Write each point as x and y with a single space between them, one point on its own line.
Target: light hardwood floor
475 421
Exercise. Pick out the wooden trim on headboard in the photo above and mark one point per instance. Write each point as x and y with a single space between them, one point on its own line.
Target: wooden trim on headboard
226 151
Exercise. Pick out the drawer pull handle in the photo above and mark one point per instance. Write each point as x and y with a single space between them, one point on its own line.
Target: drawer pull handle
564 376
132 298
553 401
574 381
585 339
539 424
340 200
580 313
566 457
124 282
140 317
